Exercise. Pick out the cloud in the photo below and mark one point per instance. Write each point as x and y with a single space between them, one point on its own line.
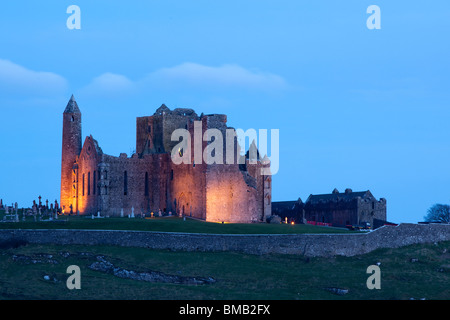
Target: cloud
109 84
228 76
186 76
18 79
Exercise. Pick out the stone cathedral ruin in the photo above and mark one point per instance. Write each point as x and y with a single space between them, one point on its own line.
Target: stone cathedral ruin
149 181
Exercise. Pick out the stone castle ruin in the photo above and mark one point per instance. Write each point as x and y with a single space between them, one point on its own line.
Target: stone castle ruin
149 181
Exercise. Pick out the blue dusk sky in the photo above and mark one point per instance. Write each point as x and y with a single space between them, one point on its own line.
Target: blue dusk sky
355 108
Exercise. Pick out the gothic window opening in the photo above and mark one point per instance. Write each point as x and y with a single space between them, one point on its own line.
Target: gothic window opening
125 183
95 181
83 185
146 185
89 183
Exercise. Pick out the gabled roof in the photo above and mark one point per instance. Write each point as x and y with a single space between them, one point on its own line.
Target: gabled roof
72 106
95 151
161 110
336 196
252 152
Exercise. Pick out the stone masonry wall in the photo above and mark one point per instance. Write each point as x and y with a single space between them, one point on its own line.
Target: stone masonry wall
313 245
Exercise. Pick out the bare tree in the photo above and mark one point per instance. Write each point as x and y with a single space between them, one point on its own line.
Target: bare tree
438 213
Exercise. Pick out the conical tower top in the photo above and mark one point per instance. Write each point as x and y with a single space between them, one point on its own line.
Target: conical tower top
72 106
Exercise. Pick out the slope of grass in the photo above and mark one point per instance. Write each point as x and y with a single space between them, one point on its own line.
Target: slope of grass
168 224
417 271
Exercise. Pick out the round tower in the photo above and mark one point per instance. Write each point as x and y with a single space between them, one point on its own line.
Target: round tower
71 148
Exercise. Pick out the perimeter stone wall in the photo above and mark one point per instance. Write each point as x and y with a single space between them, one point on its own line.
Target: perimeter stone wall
312 245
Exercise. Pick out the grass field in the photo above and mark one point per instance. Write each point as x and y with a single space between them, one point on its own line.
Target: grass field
418 271
168 224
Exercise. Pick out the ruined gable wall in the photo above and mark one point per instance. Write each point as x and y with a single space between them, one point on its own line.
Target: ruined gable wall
87 179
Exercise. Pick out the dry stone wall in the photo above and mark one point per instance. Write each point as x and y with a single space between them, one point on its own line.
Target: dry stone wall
312 245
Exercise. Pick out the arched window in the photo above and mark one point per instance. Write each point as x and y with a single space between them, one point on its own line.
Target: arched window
125 183
89 183
95 182
83 185
146 185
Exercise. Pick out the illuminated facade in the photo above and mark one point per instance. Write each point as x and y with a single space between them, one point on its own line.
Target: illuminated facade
149 181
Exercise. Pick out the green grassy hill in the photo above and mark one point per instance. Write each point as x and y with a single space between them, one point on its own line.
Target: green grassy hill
417 271
168 224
